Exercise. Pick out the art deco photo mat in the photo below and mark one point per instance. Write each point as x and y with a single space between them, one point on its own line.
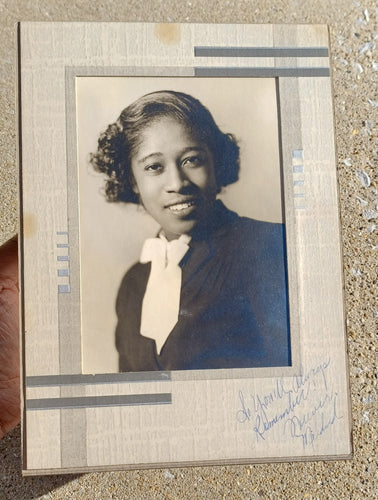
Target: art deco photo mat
76 421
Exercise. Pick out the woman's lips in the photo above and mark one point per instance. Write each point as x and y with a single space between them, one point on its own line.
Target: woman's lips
179 207
182 208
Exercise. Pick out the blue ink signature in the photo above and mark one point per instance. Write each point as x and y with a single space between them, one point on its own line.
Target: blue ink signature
299 427
288 403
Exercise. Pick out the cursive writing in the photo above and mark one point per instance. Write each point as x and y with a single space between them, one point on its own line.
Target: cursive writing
305 406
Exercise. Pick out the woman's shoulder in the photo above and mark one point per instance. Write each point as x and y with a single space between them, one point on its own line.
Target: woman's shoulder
259 227
256 243
231 219
135 277
254 230
260 234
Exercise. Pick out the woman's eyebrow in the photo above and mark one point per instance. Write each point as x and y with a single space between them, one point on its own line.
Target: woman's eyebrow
182 152
193 148
151 155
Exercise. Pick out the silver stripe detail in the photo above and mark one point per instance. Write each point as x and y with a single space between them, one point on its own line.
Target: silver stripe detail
63 272
64 289
62 233
298 153
298 183
101 378
260 51
73 422
299 195
63 258
98 401
298 169
62 245
261 72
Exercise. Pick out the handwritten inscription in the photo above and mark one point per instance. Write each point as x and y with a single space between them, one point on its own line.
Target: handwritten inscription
304 406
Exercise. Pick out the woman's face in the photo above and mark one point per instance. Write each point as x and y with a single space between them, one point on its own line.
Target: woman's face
174 176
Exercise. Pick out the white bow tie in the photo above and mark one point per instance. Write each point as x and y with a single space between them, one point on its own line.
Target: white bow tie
161 302
164 252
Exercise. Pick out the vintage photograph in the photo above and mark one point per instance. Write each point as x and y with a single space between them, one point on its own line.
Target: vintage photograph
180 253
182 234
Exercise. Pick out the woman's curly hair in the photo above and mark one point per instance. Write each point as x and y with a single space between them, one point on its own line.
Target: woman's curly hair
118 143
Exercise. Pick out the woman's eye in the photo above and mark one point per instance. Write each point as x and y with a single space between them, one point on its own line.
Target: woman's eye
154 168
192 161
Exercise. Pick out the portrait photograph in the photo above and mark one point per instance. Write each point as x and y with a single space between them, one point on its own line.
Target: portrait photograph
188 167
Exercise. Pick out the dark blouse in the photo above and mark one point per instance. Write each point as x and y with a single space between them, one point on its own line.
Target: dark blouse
233 305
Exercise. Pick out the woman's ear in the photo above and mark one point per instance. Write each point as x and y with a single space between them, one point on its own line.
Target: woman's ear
133 184
135 187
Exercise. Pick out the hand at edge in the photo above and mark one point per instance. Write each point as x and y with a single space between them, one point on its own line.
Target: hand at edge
9 338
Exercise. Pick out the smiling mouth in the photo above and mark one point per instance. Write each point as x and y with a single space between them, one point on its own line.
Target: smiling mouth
181 207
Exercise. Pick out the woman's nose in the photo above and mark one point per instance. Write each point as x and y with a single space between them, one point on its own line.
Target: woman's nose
175 179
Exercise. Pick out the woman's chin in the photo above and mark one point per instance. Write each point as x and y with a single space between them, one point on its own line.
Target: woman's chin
174 233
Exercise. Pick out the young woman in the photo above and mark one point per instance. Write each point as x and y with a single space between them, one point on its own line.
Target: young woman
210 290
